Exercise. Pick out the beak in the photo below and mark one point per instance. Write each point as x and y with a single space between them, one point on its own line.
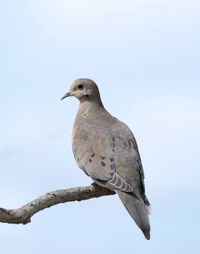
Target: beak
65 96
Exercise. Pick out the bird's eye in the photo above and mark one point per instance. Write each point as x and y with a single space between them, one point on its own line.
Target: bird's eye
80 86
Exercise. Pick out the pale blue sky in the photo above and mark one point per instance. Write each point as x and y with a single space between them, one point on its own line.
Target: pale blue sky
145 57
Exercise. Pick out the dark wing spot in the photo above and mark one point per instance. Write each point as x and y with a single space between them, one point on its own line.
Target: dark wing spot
90 160
103 164
112 166
93 155
113 145
103 158
124 143
112 159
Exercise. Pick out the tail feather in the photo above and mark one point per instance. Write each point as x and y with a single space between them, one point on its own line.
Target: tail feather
138 211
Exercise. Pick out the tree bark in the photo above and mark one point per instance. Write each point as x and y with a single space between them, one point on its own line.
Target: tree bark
23 214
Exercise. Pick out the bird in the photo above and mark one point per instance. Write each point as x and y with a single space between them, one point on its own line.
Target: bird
106 150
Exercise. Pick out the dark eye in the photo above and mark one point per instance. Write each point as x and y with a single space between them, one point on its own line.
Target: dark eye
80 86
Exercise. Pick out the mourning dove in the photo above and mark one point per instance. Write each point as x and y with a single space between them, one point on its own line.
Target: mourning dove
106 150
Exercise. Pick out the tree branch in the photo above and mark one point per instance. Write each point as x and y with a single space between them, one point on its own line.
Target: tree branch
23 214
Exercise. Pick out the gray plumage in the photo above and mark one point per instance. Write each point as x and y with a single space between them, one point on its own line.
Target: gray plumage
106 150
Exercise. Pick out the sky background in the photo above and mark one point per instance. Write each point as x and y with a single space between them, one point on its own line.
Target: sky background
145 57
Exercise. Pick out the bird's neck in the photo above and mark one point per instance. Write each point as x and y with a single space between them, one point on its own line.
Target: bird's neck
87 109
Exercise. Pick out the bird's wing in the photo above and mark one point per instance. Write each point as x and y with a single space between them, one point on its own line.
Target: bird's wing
102 153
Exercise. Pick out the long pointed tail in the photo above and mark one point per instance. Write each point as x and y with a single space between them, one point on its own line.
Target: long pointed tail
138 211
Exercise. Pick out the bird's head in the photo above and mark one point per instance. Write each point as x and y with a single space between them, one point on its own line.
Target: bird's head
84 90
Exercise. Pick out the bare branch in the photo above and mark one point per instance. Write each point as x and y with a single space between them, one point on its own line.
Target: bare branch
23 214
